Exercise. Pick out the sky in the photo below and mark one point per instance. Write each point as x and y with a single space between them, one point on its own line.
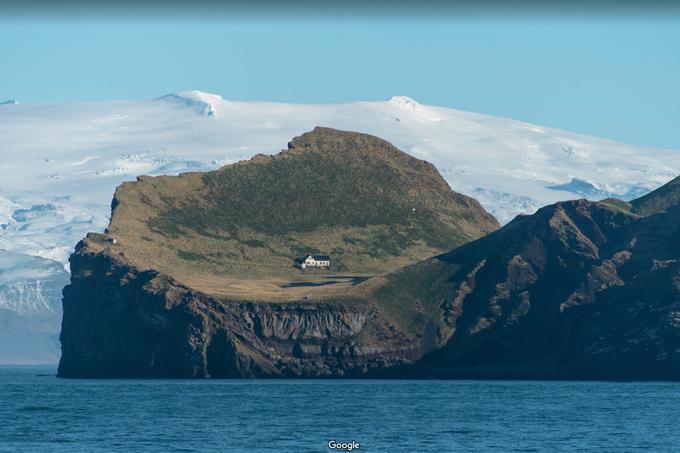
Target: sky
616 77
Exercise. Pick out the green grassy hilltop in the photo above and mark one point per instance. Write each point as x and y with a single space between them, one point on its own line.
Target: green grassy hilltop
353 196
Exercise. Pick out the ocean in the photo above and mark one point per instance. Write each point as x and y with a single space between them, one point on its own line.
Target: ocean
39 412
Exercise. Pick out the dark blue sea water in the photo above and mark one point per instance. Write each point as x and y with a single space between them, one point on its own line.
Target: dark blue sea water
39 412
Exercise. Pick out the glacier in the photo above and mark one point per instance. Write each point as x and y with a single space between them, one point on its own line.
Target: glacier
60 163
30 308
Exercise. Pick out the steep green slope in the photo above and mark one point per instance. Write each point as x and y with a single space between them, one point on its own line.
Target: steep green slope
659 200
356 197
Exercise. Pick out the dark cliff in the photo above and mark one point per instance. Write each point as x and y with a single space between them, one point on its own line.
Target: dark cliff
120 322
579 290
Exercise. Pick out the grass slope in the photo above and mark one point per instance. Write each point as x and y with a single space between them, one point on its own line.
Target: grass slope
370 206
659 200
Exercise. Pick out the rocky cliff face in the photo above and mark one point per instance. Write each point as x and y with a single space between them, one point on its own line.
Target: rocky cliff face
122 322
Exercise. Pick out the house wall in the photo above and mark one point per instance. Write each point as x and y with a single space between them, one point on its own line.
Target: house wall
313 262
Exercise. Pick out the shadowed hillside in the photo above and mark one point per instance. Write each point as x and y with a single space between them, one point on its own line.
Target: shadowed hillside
578 290
663 198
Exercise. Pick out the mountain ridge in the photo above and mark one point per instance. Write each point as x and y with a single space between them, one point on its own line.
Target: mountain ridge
579 290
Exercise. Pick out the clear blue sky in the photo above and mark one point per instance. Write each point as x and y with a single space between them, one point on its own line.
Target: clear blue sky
618 79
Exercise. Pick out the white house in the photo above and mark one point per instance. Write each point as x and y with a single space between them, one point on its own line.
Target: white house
313 261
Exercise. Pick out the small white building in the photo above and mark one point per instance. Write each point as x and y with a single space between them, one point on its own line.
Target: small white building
313 261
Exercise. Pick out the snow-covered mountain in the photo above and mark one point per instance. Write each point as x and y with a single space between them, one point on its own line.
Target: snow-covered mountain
60 163
30 308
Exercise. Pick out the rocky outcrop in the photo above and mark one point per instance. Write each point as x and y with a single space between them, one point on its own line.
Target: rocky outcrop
194 275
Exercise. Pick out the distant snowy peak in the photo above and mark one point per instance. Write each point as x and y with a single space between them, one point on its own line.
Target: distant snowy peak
404 102
197 95
411 105
30 284
595 191
204 103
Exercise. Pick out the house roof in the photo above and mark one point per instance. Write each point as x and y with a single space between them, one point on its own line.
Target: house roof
316 258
